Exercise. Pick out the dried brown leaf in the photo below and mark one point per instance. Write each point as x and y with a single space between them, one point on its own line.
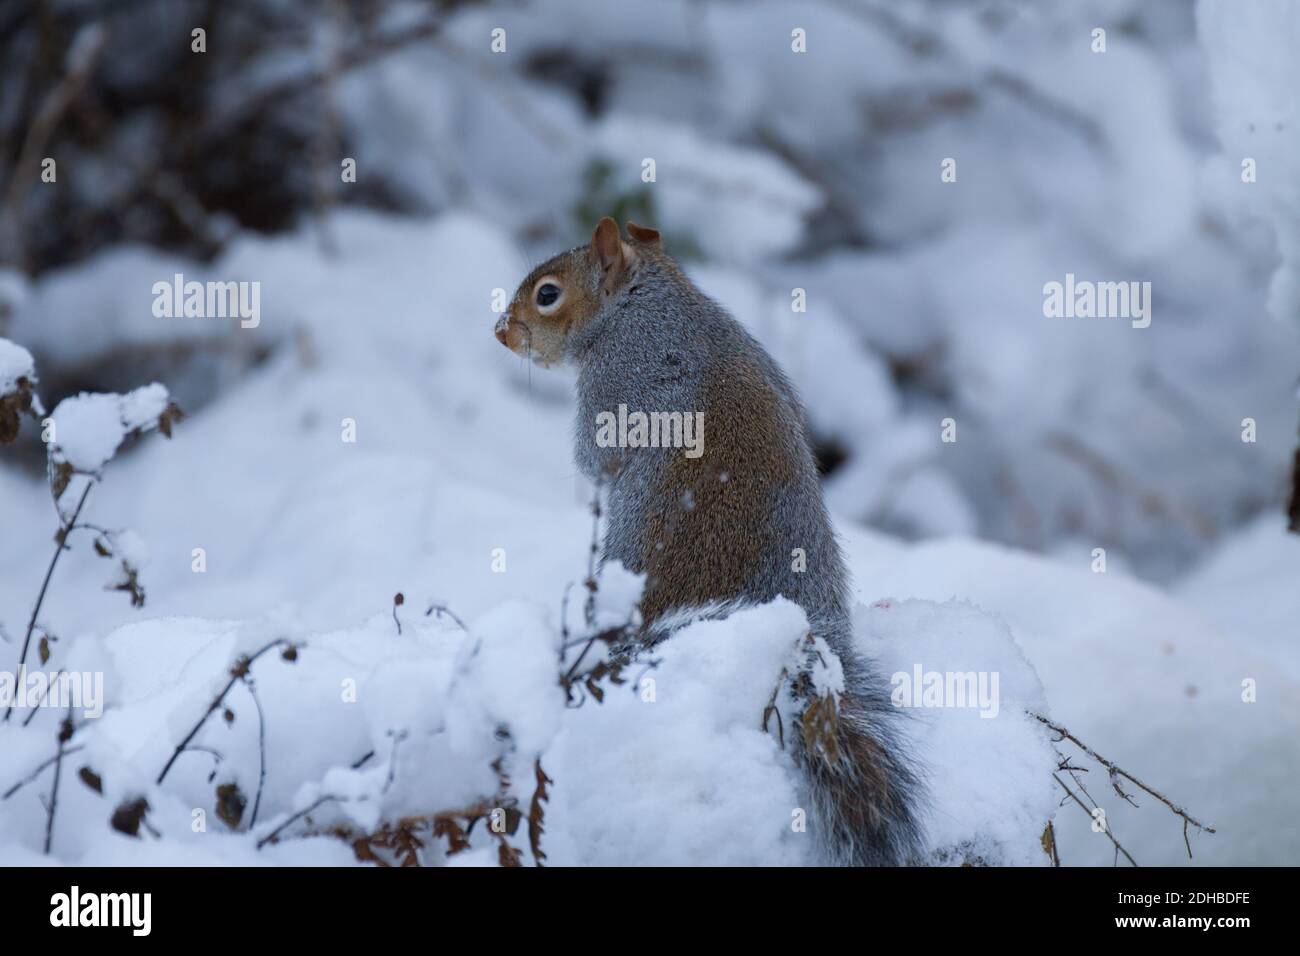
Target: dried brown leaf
129 815
230 804
91 779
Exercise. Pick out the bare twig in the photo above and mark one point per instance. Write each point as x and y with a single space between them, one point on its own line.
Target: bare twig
61 545
572 671
189 211
1105 823
441 609
592 584
66 731
1074 772
1113 477
37 772
398 737
358 55
87 46
564 619
237 673
294 818
922 42
213 752
261 749
36 707
1116 772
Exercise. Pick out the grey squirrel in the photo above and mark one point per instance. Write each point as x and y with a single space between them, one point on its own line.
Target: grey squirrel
718 530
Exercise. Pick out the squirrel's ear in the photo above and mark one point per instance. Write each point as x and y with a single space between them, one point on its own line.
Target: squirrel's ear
607 247
643 234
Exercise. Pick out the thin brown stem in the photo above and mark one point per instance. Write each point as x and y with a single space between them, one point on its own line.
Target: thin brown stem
237 673
294 818
441 609
1116 772
1105 824
37 772
261 750
66 731
61 545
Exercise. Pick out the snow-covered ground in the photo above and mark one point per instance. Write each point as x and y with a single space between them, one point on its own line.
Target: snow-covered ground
459 490
367 436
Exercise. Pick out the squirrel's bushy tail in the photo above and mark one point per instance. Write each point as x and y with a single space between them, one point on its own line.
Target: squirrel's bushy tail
864 795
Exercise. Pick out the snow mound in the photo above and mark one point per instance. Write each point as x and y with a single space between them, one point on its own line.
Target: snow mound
1145 680
970 695
676 768
665 762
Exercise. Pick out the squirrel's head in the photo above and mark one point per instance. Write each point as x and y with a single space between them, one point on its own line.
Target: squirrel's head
563 295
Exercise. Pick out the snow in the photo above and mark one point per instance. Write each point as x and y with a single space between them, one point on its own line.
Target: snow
89 428
672 768
1145 679
141 408
420 504
1254 75
130 547
1246 588
736 204
261 521
73 314
680 770
15 363
996 818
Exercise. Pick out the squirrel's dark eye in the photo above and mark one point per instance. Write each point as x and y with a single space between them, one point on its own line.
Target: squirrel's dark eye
547 293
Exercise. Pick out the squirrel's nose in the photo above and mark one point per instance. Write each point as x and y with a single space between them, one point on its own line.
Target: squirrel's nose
503 323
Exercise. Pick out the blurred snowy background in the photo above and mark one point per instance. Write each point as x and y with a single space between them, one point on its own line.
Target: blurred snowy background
487 136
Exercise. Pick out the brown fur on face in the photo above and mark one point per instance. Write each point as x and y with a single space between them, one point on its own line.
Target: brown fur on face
585 275
537 332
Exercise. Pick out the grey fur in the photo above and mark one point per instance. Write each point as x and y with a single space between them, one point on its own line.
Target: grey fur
653 345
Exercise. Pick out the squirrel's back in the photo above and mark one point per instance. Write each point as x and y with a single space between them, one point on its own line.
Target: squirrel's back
729 524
